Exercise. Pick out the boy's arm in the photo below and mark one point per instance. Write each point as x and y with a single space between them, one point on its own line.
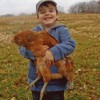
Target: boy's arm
26 53
65 47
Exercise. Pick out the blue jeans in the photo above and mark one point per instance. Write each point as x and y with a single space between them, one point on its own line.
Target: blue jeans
59 95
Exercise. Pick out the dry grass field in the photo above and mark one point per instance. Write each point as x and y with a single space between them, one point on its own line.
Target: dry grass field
84 28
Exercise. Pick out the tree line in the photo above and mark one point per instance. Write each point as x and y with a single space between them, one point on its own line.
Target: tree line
86 7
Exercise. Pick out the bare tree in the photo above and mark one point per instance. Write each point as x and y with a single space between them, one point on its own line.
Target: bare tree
60 9
86 7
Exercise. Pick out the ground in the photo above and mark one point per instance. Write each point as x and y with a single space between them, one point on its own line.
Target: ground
84 28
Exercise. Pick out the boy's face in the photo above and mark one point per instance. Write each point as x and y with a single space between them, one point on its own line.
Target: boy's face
47 14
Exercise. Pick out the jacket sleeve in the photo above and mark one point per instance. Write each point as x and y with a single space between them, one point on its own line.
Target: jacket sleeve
66 45
26 53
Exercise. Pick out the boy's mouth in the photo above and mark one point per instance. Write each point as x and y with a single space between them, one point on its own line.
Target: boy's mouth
47 18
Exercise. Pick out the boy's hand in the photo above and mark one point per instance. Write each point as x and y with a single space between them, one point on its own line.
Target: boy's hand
49 58
40 50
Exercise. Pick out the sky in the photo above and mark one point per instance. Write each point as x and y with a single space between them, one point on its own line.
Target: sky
28 6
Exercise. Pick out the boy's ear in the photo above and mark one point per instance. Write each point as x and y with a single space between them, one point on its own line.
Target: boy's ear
37 15
57 16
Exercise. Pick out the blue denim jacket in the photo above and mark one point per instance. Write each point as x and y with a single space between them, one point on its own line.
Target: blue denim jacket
65 47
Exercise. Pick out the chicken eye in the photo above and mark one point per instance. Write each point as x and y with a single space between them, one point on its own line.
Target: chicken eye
19 40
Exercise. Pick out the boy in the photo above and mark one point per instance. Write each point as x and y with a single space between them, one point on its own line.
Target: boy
47 14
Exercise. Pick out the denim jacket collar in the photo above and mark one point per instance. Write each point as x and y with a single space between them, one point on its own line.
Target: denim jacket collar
41 27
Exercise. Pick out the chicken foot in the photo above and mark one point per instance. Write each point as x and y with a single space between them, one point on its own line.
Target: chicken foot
43 90
32 84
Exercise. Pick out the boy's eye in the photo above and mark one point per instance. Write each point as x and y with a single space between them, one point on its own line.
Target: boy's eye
42 12
51 10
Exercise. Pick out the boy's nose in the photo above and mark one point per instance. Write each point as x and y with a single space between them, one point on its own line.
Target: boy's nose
47 13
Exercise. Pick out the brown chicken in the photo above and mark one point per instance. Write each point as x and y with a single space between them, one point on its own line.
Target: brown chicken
35 42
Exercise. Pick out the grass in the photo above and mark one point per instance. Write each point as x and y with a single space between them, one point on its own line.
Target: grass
84 28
